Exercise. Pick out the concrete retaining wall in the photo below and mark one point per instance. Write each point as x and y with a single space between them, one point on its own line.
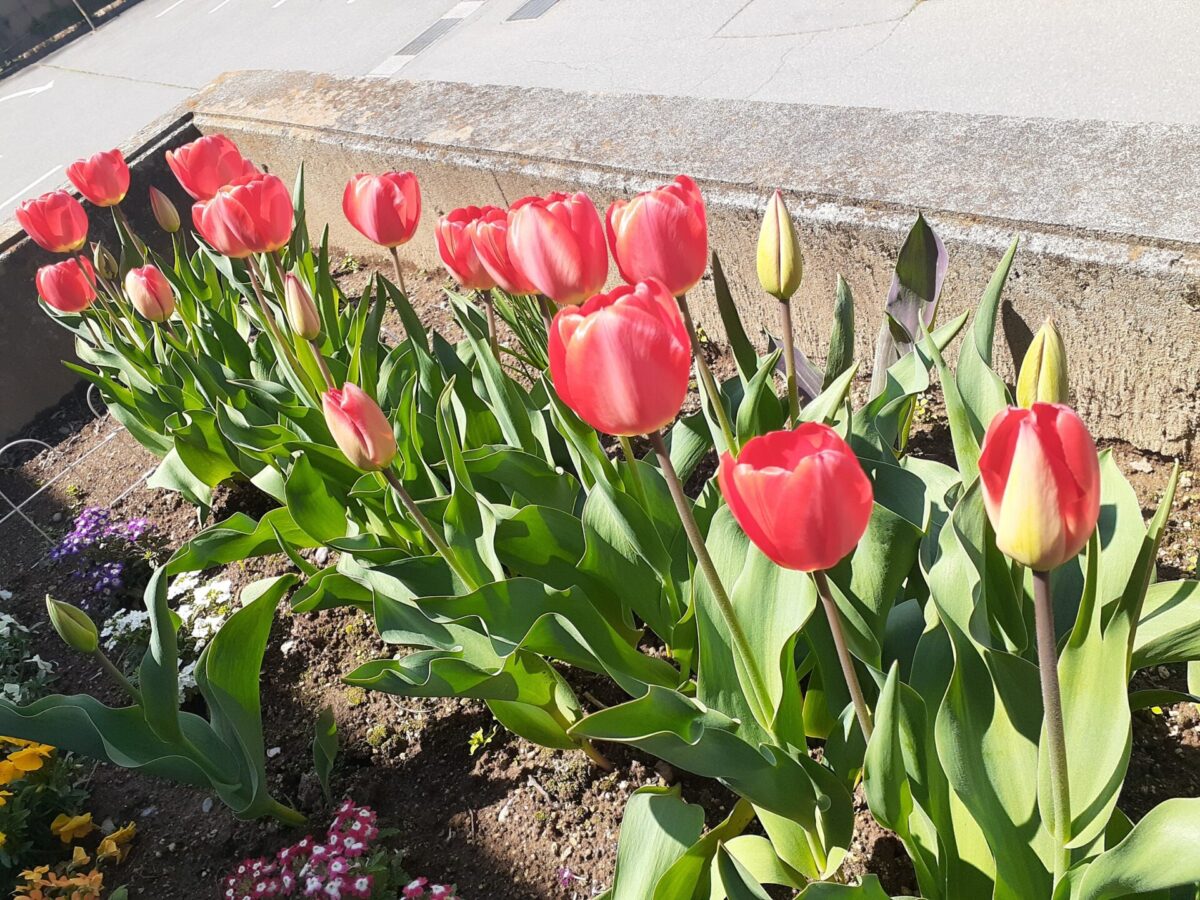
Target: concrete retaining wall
1110 241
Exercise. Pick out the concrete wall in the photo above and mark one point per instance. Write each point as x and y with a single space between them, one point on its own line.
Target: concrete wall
1110 241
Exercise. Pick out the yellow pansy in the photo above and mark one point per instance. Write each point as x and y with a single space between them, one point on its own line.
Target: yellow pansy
116 845
31 758
9 773
69 828
4 795
3 838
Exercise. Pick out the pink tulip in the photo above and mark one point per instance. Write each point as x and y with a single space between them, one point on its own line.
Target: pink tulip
557 242
1041 483
56 221
384 208
622 360
103 178
206 165
151 293
301 312
359 427
457 250
251 215
661 234
489 237
801 496
68 286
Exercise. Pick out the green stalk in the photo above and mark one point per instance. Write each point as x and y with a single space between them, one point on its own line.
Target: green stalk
427 529
256 277
116 675
789 361
639 488
861 710
1056 742
399 273
706 375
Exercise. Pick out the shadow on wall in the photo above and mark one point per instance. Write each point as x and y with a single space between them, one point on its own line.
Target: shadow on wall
29 29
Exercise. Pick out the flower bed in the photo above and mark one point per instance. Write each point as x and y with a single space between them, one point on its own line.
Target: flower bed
832 615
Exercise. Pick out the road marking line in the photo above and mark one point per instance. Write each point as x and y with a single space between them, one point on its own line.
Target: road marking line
278 4
29 91
463 9
29 187
168 9
439 29
218 6
391 65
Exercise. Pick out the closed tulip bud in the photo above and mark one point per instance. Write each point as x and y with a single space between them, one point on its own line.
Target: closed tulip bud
207 164
165 213
151 293
623 359
661 234
780 263
103 178
249 215
301 311
558 244
359 427
384 208
1043 375
68 286
1041 483
801 496
73 625
55 221
105 262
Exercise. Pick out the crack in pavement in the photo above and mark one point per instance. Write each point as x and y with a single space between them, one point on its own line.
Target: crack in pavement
182 87
813 31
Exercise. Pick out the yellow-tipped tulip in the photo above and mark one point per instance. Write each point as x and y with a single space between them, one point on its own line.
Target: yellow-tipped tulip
780 263
1043 375
73 625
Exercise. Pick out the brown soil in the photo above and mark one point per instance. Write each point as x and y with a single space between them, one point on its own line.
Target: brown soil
500 823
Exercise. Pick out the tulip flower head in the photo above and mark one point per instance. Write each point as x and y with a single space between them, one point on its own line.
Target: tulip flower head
73 625
165 213
359 427
780 263
252 214
1041 484
151 293
68 286
102 178
206 165
105 263
302 313
489 238
557 242
661 234
801 496
384 208
457 248
55 221
1043 375
622 360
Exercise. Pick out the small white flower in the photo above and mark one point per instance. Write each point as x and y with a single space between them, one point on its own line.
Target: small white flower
184 584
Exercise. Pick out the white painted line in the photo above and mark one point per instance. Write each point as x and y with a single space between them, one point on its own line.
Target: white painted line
463 9
29 187
391 65
28 92
218 6
278 3
168 9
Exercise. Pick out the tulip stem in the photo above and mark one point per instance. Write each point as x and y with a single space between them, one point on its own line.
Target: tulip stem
547 317
324 366
399 273
706 375
1056 743
789 361
427 529
256 278
485 297
123 221
634 475
762 698
861 710
116 675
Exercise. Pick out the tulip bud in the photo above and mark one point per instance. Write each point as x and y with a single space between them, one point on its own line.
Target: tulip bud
106 263
780 263
73 625
1043 376
165 213
151 293
301 311
359 427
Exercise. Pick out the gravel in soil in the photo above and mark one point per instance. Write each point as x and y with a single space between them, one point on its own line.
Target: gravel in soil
472 803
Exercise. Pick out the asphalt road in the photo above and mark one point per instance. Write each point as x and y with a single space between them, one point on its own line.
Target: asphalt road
1122 60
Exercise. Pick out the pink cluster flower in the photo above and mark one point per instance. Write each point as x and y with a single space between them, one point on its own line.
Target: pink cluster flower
415 890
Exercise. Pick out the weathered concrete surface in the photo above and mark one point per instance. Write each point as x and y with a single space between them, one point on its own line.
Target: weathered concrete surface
1105 211
32 377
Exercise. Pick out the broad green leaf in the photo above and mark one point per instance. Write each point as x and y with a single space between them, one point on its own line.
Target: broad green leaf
869 889
657 829
237 538
314 507
761 409
735 882
325 748
735 333
983 391
1169 630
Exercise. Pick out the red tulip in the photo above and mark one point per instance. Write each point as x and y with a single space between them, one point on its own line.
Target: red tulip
622 360
489 237
801 496
661 234
206 165
457 249
251 215
385 208
68 286
151 293
56 222
558 244
103 178
359 427
1041 483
